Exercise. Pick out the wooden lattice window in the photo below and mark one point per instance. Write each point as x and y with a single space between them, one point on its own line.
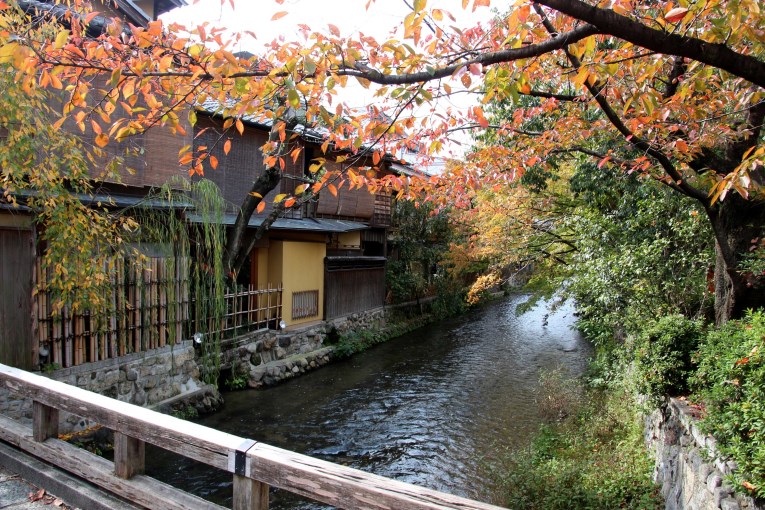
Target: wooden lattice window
305 304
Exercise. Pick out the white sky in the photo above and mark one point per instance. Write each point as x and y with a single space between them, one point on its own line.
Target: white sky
383 20
350 16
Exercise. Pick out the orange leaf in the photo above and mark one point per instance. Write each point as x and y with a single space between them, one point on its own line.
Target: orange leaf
240 126
227 147
279 15
335 31
481 3
289 202
102 140
332 189
261 206
213 162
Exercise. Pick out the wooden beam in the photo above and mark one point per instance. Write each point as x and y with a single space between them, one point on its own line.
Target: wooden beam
249 494
345 487
44 421
129 456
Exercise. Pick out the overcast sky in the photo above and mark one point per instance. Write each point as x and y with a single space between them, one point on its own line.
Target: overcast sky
350 16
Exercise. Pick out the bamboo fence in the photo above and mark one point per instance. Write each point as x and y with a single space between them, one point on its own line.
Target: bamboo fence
146 305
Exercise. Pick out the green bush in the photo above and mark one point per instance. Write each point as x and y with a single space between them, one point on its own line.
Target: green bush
730 383
594 459
663 356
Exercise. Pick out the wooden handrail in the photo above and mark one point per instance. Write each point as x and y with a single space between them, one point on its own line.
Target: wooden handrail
254 466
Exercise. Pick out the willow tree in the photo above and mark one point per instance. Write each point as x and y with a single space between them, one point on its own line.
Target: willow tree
675 91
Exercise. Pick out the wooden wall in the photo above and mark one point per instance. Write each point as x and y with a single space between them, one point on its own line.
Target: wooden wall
16 255
350 290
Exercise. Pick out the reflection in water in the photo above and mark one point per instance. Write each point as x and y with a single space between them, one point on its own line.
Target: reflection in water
428 408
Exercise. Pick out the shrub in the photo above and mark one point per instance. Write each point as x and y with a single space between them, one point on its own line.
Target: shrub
663 356
593 459
730 382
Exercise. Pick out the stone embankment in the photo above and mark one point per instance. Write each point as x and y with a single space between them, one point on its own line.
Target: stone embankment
688 469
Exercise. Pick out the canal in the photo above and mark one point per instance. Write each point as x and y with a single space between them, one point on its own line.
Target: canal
432 407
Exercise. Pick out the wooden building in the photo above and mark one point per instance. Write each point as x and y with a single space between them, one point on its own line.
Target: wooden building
321 261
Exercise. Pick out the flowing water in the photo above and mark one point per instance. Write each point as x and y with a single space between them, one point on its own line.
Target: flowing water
432 407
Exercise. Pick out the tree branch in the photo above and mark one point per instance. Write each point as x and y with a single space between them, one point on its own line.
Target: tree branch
717 55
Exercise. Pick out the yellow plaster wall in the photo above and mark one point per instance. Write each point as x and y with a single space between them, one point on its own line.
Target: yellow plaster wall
348 240
263 277
299 266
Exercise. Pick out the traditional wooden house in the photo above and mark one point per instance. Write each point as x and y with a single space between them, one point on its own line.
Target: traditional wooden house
329 254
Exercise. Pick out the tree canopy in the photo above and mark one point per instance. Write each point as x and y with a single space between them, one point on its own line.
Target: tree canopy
670 90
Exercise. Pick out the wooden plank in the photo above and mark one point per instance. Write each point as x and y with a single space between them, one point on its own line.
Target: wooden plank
141 490
249 494
345 487
44 421
16 275
185 438
129 456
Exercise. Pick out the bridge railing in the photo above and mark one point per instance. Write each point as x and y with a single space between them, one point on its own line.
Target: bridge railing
254 466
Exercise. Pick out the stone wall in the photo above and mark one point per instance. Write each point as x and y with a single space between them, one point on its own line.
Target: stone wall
688 468
269 357
144 379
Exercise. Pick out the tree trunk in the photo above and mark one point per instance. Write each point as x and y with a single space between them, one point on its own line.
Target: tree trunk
266 182
738 225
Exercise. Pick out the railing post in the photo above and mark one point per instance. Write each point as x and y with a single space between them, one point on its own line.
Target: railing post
44 421
249 494
129 455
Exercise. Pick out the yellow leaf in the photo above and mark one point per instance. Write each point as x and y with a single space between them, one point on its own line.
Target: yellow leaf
278 198
256 194
293 98
7 51
61 39
300 189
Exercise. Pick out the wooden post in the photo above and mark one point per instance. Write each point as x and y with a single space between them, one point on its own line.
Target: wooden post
44 421
249 494
129 455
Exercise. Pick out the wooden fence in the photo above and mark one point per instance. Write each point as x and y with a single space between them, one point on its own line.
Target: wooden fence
147 305
248 308
353 284
254 466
